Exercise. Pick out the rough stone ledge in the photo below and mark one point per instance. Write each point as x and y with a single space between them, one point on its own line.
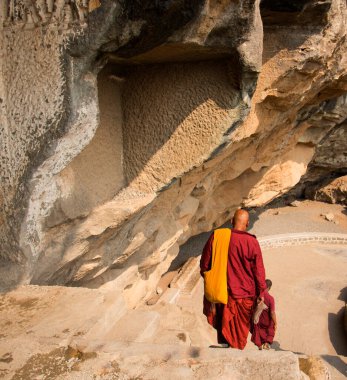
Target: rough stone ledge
291 239
199 362
188 277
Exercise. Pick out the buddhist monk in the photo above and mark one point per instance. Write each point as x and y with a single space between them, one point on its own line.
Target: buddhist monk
263 332
245 284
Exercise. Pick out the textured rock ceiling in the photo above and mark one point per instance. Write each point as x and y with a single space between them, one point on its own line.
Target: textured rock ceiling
128 127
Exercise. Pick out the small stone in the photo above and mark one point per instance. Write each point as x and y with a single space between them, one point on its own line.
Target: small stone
329 217
159 290
294 204
152 301
71 362
276 213
336 222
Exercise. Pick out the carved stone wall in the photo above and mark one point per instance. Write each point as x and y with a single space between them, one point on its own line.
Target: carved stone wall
31 13
51 53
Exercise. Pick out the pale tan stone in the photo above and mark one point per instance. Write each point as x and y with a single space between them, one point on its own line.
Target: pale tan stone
314 368
333 192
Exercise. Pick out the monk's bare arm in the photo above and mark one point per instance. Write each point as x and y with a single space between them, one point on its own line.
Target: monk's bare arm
205 261
274 318
259 270
272 310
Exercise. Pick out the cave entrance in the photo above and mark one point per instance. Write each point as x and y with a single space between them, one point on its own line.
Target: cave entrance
294 12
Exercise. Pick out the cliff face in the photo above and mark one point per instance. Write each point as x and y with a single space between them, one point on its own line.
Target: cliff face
127 127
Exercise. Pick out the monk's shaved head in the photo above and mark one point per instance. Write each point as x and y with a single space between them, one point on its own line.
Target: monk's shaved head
240 220
241 215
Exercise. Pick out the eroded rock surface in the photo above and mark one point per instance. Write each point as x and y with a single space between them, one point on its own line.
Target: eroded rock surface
128 127
333 192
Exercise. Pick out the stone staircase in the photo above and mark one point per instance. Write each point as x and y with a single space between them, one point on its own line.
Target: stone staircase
168 340
188 277
96 337
153 342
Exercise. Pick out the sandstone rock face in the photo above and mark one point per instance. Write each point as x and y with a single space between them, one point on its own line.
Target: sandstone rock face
333 192
314 367
329 160
128 127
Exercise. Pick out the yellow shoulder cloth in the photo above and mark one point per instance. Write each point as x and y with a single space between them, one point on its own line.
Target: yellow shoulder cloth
216 288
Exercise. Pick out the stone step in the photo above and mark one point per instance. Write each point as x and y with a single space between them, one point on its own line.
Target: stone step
109 314
135 326
188 277
192 283
170 295
155 361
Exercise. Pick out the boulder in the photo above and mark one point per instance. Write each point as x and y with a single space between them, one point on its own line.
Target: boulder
333 192
314 368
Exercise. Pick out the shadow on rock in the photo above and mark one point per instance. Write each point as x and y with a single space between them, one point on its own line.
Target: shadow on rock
277 347
337 363
337 334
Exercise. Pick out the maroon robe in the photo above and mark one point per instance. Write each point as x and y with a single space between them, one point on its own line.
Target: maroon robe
264 330
245 279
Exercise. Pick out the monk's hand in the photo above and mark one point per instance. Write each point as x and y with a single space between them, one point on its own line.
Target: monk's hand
260 299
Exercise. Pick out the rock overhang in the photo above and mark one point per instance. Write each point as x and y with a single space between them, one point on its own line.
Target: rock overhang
217 45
